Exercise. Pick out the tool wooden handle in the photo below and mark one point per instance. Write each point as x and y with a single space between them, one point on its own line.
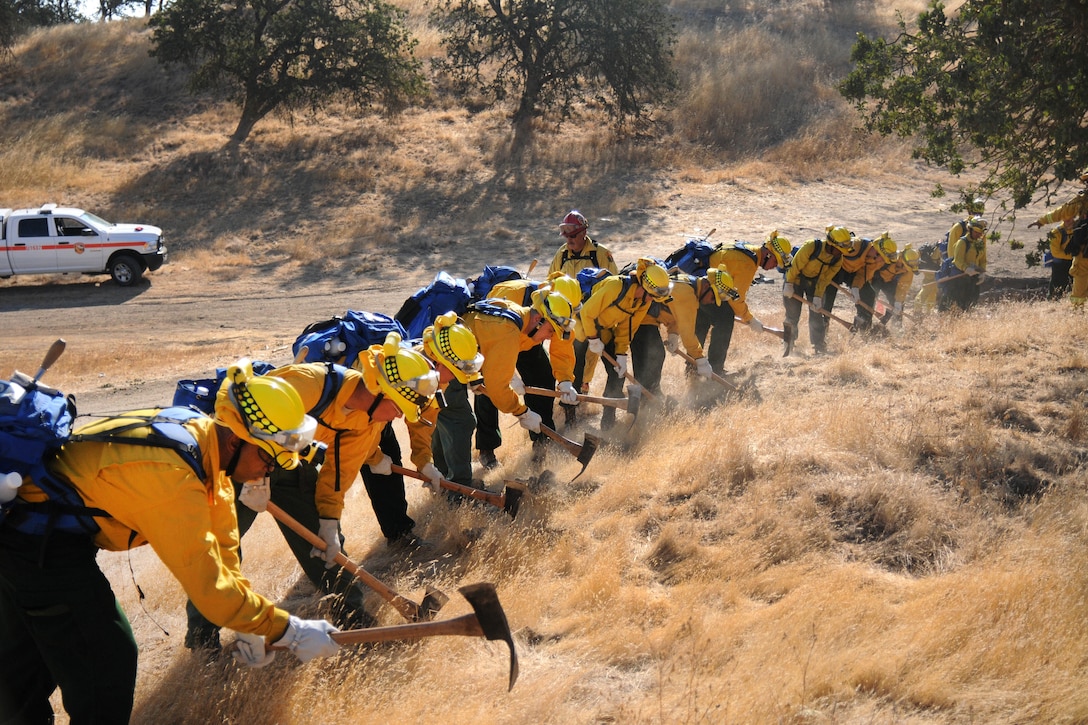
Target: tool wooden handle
486 496
467 625
864 305
573 448
613 402
408 609
718 378
823 312
945 279
54 352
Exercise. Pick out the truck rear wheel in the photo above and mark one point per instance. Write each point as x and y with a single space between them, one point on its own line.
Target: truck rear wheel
126 270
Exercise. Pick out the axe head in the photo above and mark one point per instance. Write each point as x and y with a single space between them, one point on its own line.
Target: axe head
788 338
489 613
585 455
634 400
512 497
432 602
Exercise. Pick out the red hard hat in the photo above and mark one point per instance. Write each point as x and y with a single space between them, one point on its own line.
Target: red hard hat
575 219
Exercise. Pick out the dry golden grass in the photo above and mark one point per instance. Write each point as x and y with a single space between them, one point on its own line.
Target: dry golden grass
892 534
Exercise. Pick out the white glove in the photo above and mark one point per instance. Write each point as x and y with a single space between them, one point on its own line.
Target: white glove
817 303
856 294
756 325
329 531
384 467
981 277
255 495
249 651
434 478
787 289
596 346
702 366
530 421
672 343
309 638
898 308
621 365
517 385
569 394
972 270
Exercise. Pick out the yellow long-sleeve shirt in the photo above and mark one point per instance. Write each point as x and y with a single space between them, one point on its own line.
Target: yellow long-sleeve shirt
900 273
501 340
154 497
742 267
860 264
351 436
613 312
560 351
1059 237
592 255
966 252
682 310
822 267
1075 207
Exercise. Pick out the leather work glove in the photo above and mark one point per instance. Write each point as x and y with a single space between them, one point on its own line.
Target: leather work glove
672 343
621 365
817 303
756 325
329 531
856 294
973 270
309 638
981 278
517 385
530 421
1035 225
569 394
255 494
384 467
596 345
702 366
787 290
434 477
249 651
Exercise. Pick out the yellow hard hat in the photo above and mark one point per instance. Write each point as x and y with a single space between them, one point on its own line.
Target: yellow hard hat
977 222
453 345
654 279
568 287
781 248
840 237
266 412
721 282
885 247
977 205
404 376
556 309
1084 175
911 258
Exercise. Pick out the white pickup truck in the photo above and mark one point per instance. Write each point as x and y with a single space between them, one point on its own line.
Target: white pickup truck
55 239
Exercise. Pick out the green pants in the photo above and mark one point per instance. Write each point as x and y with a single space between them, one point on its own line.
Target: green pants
451 444
61 626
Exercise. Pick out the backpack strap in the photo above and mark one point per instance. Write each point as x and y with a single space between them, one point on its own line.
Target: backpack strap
489 308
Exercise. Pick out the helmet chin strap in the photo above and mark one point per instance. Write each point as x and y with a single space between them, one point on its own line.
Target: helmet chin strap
233 462
374 406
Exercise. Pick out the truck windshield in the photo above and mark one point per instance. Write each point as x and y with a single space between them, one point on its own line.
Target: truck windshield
95 219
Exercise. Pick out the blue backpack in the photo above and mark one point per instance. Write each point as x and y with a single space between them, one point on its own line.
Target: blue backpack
341 339
444 294
693 258
200 393
588 277
491 276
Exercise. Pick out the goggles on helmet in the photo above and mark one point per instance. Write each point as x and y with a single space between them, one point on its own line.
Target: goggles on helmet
441 344
570 231
415 390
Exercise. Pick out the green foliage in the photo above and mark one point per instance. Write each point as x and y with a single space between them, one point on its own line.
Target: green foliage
18 16
273 55
550 54
1004 78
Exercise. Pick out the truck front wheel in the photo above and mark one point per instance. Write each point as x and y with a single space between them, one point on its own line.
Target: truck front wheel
125 269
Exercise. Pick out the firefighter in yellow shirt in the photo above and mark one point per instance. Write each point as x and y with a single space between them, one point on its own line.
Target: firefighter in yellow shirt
59 620
577 253
895 280
611 316
690 294
968 268
504 330
1062 252
810 277
1075 211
